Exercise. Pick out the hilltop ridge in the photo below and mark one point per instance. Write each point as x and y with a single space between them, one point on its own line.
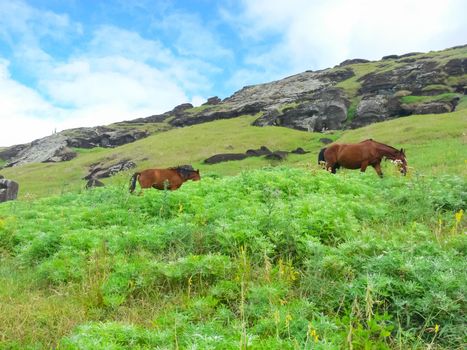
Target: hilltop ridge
355 93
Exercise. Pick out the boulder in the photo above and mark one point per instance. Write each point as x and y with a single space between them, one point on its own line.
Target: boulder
277 155
325 140
262 151
299 150
8 190
225 157
94 183
212 101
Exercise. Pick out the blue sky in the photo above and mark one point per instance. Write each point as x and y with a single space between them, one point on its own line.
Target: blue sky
71 63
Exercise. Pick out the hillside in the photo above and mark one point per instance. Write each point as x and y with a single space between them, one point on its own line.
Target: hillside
259 254
269 259
353 94
435 144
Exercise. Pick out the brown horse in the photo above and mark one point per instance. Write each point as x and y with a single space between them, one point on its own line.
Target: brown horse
360 155
171 178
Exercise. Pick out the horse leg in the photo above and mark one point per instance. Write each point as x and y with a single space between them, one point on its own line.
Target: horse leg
377 167
363 166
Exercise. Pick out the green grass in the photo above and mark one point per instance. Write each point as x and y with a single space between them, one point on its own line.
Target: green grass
446 97
191 145
352 85
437 87
179 146
434 144
279 258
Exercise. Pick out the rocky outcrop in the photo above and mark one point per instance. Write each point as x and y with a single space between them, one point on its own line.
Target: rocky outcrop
212 101
8 190
429 108
58 147
98 171
377 108
325 109
411 76
313 101
352 61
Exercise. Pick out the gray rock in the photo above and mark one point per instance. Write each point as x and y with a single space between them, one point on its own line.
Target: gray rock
376 108
325 140
352 61
277 155
98 172
225 157
213 101
8 190
429 108
94 183
262 151
410 76
299 150
325 109
456 66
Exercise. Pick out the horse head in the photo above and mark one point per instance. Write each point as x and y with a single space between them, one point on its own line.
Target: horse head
399 159
194 175
188 173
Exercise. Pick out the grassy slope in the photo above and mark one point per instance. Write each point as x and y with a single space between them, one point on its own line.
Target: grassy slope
434 145
273 254
179 146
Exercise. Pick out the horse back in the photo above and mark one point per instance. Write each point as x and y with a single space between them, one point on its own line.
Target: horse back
158 178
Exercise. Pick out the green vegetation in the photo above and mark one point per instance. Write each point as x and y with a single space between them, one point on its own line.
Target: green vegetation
189 145
277 258
446 97
352 85
287 106
203 108
352 110
437 87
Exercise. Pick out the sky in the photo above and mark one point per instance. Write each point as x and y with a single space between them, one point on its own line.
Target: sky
74 63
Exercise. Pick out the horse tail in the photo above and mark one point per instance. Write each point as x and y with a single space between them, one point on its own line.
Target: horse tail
321 156
133 181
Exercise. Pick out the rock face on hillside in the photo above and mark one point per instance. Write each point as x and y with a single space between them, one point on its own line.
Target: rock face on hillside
58 147
355 93
8 190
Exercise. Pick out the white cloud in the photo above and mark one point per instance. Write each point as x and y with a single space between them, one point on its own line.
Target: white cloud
319 34
117 76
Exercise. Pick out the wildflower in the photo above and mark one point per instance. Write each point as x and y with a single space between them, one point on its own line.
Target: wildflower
312 333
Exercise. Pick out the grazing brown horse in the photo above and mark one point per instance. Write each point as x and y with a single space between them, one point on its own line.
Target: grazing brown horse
360 155
171 178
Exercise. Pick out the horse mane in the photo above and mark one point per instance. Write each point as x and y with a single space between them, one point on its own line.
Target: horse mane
380 143
183 170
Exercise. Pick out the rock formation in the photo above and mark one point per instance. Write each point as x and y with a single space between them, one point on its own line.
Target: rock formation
8 190
354 93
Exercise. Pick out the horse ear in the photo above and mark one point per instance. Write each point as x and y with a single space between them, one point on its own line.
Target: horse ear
402 150
197 170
